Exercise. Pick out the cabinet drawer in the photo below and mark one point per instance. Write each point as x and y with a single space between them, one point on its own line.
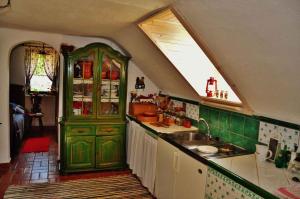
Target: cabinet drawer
80 130
109 129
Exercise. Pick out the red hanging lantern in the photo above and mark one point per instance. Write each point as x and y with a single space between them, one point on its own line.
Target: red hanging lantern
210 85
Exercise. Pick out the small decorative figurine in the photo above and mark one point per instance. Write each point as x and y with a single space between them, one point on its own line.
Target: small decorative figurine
139 83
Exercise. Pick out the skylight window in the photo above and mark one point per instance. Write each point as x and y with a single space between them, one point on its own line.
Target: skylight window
170 36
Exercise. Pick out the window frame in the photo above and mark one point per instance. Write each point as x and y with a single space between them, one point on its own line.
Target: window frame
242 107
41 92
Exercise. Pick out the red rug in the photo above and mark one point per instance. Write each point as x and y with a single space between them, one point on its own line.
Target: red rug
36 145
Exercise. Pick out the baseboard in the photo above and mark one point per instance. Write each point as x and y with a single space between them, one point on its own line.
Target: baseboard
4 166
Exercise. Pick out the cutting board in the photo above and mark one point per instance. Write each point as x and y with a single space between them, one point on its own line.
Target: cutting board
140 108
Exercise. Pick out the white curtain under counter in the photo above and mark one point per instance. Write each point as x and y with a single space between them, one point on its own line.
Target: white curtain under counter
141 153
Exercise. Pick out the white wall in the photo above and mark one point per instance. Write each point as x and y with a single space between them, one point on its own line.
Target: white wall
17 72
9 38
133 72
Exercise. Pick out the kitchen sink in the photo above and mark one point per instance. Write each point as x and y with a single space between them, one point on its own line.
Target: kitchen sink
192 140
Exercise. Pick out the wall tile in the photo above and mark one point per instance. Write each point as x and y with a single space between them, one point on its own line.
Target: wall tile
219 186
238 139
177 103
224 120
214 118
204 112
225 135
192 111
286 136
231 127
290 138
237 123
251 128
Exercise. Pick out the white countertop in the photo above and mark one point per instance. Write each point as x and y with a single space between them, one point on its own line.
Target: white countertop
263 174
170 129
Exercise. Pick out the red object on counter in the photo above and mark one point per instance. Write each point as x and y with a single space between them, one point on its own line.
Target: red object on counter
187 123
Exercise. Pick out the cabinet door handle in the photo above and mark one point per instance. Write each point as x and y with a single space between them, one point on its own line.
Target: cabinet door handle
108 130
200 171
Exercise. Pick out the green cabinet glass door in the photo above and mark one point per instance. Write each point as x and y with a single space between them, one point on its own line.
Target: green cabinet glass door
83 80
80 152
109 151
111 88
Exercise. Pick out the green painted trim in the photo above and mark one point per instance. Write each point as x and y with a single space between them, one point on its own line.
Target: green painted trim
259 191
233 184
181 99
279 122
152 134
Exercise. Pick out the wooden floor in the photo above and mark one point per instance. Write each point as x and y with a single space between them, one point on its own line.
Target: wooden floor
41 167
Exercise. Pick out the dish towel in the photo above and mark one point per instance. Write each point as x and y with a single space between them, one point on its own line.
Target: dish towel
291 192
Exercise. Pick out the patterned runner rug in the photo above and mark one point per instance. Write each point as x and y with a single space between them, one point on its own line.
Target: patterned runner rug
121 186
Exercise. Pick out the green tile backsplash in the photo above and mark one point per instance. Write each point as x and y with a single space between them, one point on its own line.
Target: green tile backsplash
239 129
236 128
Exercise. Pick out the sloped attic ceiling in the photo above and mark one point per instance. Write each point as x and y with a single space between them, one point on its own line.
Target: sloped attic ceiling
256 42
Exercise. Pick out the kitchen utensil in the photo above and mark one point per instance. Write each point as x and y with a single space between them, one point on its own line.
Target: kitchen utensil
169 121
187 123
207 149
262 153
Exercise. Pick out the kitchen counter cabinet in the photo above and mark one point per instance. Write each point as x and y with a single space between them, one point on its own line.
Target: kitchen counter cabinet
241 172
178 175
244 166
165 166
141 153
190 179
80 152
109 151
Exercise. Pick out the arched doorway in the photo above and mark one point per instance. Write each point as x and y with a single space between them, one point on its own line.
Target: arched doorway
34 72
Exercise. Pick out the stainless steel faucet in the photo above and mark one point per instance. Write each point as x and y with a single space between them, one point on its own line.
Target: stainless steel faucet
207 127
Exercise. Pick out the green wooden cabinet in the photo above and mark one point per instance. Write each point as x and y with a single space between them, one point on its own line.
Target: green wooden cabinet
93 126
109 151
80 152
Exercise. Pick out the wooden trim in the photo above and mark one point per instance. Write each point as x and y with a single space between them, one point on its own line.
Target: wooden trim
211 57
155 46
5 166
